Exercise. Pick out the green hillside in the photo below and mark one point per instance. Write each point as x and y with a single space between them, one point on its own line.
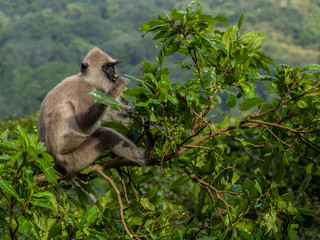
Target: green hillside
42 42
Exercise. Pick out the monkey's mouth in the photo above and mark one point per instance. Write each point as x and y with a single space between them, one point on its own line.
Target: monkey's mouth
109 70
111 75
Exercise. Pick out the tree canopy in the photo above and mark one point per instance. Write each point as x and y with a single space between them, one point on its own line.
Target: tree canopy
34 34
241 174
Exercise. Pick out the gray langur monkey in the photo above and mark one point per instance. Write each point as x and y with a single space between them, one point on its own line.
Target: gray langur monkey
70 121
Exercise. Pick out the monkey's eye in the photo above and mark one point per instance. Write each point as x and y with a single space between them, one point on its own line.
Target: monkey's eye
112 64
109 64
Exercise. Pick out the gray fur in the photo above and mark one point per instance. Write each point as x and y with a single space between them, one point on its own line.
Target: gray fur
70 121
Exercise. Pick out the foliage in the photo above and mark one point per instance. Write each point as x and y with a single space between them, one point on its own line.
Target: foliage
38 37
203 190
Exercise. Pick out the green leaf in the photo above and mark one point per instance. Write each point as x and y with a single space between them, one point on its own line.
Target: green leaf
149 25
206 80
5 134
224 123
247 89
4 158
90 216
226 220
305 184
191 13
24 224
164 84
144 177
235 176
280 170
7 187
5 145
137 91
147 204
292 233
100 97
173 99
41 204
241 20
192 97
270 221
222 20
302 104
179 182
250 103
309 67
144 84
152 78
258 188
23 134
41 221
104 201
49 171
44 196
232 99
42 146
172 48
205 101
136 221
177 14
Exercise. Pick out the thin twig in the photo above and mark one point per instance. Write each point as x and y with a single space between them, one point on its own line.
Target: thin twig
252 154
202 119
227 168
288 146
99 169
123 186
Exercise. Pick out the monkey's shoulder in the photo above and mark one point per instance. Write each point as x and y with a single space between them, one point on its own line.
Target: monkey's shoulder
74 87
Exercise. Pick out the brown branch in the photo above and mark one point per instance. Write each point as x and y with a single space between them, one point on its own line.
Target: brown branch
166 124
202 119
168 225
252 154
198 146
42 178
309 143
99 169
123 186
205 185
12 233
288 146
280 126
281 103
227 168
190 136
195 60
245 195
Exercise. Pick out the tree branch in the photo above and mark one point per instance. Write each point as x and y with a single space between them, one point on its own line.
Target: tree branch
99 169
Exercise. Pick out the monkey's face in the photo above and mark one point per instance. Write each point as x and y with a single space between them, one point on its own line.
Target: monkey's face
98 68
110 71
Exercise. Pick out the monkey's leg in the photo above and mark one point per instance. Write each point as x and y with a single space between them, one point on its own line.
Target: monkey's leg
82 156
150 142
101 140
122 147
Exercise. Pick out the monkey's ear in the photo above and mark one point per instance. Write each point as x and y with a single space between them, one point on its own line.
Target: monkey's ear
84 67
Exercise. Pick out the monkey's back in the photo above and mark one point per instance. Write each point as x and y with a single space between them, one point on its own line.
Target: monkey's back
58 126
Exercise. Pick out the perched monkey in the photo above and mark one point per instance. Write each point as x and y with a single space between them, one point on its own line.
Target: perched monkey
70 121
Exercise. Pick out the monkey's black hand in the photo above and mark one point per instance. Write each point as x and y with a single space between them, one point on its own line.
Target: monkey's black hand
146 129
118 87
131 110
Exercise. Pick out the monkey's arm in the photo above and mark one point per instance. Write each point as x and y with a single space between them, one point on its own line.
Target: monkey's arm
89 112
118 87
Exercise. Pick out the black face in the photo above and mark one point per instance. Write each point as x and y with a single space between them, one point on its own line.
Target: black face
109 70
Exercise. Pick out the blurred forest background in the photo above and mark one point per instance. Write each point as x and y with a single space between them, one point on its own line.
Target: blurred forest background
42 42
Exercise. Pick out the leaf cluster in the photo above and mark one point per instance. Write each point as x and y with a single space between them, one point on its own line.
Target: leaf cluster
216 176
